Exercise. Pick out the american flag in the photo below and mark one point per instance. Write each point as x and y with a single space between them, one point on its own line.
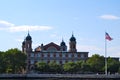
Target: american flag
108 37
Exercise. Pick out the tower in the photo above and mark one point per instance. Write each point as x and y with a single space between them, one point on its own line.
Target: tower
27 44
27 49
72 44
63 46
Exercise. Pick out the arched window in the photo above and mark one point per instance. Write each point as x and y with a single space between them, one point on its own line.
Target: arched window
51 49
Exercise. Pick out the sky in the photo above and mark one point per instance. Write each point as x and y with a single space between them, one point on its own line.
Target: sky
53 20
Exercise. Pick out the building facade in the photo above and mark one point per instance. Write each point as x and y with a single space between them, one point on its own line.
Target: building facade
52 52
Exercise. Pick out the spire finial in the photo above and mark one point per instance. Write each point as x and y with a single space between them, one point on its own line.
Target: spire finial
28 33
72 34
28 36
62 39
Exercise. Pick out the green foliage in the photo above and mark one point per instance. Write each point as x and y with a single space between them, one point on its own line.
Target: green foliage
119 70
2 62
70 67
113 65
51 67
96 63
42 67
12 61
54 67
85 67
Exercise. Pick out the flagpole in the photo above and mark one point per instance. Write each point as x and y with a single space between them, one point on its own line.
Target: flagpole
105 56
107 37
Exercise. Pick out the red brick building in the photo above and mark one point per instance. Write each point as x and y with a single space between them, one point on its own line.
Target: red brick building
52 52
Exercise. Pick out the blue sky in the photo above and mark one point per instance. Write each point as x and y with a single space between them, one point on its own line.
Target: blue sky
51 20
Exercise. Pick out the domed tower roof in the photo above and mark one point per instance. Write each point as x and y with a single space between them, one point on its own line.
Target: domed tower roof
62 43
28 37
72 38
23 42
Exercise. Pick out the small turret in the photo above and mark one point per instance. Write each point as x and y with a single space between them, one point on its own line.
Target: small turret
27 44
72 44
28 37
23 46
72 38
63 46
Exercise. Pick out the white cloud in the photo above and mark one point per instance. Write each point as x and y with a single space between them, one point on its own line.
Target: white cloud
109 17
4 25
30 28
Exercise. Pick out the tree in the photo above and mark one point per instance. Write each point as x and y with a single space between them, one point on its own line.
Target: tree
70 67
112 65
119 70
82 66
42 67
2 62
54 67
85 67
96 63
78 66
15 61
